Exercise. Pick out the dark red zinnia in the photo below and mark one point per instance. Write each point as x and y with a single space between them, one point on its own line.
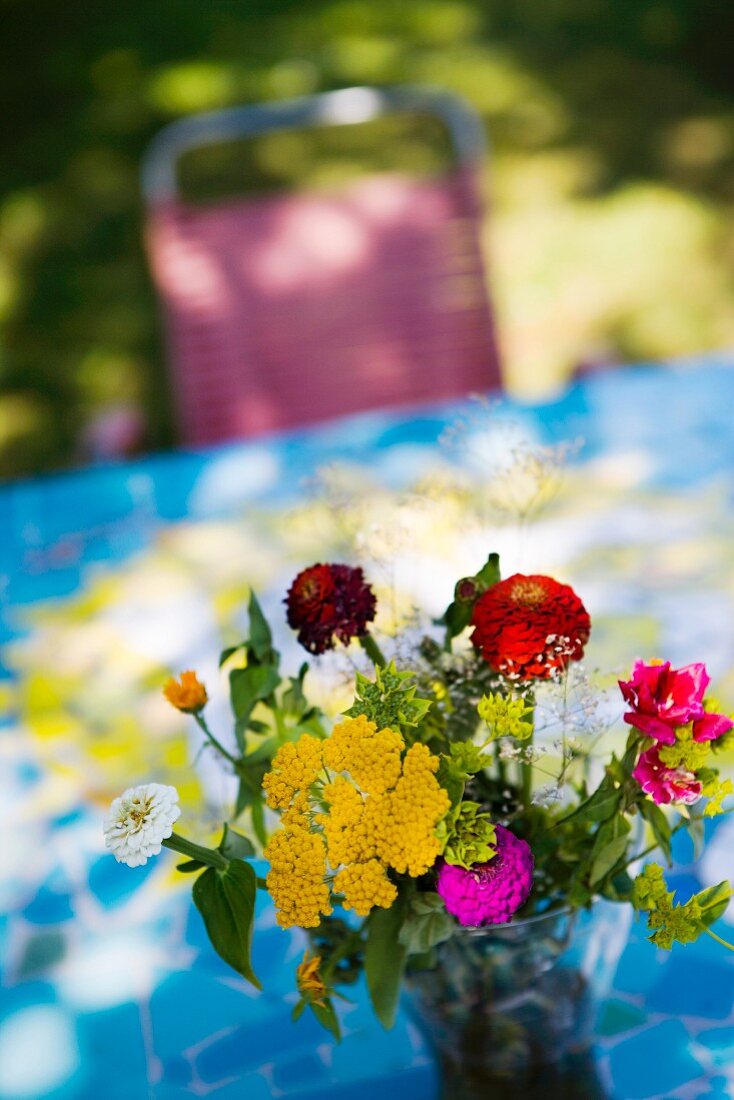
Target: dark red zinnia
327 602
529 627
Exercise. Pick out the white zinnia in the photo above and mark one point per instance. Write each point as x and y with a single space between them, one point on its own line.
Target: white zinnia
139 820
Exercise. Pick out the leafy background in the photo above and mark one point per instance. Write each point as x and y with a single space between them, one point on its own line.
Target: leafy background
612 126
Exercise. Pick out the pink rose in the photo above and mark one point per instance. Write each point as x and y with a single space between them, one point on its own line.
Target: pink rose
663 698
666 784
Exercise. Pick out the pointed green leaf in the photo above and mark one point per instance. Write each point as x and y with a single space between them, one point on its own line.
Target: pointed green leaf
261 638
226 901
384 960
326 1016
489 574
659 824
225 655
714 901
426 924
235 845
190 866
610 844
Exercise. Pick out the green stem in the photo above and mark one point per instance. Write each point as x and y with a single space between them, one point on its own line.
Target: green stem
201 722
196 851
724 943
501 772
373 651
526 768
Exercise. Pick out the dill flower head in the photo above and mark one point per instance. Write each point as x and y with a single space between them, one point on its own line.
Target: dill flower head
186 694
328 602
139 821
528 627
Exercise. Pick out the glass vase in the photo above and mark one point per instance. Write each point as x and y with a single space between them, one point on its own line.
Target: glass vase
510 1009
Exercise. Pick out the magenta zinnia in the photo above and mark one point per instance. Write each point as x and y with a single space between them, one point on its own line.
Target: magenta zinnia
328 602
489 893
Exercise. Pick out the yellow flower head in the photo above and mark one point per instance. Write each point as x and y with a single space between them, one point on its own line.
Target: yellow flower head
365 885
296 879
309 980
376 809
295 767
186 694
370 756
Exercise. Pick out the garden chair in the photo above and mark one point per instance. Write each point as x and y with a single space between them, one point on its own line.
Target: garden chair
287 309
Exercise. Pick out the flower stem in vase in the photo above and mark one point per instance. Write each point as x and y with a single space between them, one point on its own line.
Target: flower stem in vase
526 767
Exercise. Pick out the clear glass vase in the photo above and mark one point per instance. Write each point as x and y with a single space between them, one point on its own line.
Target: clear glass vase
510 1009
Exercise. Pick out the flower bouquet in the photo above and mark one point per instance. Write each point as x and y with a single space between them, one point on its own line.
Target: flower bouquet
457 822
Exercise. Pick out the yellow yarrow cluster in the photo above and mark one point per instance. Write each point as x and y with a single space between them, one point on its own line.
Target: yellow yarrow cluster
406 826
296 879
295 767
371 756
365 885
379 813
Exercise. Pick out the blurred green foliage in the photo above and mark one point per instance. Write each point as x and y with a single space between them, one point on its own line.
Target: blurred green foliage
612 126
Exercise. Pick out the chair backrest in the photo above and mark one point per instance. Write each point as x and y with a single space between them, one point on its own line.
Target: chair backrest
287 309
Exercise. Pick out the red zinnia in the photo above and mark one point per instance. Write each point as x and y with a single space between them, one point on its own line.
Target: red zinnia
327 602
527 627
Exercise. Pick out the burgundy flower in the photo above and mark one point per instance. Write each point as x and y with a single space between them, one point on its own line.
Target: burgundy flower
527 627
489 893
327 602
666 784
662 698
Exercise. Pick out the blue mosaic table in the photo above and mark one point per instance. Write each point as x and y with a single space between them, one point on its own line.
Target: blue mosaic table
112 576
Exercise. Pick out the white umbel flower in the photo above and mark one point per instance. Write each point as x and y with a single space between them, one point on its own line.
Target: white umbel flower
139 820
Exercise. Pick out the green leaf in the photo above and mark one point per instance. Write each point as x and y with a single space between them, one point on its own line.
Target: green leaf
610 845
225 655
384 960
258 821
294 698
190 867
489 574
600 806
607 858
261 638
235 845
426 924
250 685
459 612
696 831
326 1016
226 901
714 901
247 687
659 824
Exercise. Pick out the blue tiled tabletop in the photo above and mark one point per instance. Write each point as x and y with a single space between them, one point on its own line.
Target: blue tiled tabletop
113 575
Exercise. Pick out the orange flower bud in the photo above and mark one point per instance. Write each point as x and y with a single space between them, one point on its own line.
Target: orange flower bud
310 983
187 693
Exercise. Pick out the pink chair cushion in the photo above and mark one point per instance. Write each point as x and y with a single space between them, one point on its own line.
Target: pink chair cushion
290 309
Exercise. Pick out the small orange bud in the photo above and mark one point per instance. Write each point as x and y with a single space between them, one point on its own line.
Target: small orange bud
187 693
310 983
